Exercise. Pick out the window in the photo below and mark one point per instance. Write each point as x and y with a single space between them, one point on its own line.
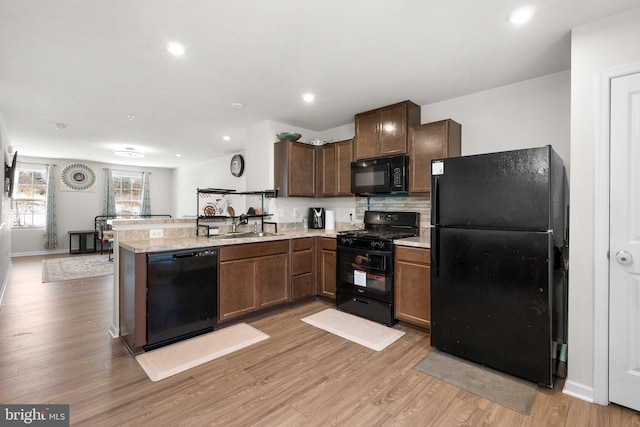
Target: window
29 203
128 193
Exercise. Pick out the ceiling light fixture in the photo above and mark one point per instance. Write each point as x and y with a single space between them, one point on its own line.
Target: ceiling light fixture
226 138
521 15
308 97
237 106
176 49
61 126
129 152
130 116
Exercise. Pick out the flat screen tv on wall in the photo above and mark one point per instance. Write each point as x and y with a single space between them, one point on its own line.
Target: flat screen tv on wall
10 175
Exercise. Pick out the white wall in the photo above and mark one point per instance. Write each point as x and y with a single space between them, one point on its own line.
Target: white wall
5 217
526 114
214 173
76 210
596 47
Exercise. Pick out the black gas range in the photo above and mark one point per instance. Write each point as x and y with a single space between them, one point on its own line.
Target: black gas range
365 264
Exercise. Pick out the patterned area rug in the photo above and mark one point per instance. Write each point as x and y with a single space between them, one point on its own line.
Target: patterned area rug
76 267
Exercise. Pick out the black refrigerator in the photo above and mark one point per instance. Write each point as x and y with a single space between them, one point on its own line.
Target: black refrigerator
499 260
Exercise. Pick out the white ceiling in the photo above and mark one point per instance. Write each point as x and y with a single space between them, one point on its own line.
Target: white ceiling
91 63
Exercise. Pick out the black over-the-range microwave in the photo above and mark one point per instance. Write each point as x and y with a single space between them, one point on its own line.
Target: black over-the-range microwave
380 175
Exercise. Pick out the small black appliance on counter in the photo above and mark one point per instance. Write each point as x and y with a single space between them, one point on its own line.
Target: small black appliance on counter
316 218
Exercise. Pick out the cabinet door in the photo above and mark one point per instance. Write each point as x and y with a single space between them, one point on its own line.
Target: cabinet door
327 170
412 298
272 275
335 169
302 170
366 143
294 169
327 268
427 142
344 157
237 291
393 130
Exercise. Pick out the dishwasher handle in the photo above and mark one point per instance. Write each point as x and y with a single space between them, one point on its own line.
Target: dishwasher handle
185 255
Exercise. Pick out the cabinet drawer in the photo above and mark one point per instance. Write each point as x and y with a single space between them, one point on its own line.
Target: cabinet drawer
301 244
413 254
301 262
328 244
253 250
302 286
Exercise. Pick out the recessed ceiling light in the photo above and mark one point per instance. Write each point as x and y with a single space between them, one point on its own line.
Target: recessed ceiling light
237 106
176 49
520 16
178 155
308 97
226 138
61 126
129 152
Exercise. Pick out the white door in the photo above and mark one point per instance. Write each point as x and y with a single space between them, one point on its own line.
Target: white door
624 245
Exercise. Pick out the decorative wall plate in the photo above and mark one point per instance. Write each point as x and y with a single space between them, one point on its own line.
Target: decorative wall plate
78 177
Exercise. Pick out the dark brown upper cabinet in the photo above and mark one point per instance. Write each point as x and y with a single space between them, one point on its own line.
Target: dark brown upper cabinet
384 131
295 169
334 169
430 141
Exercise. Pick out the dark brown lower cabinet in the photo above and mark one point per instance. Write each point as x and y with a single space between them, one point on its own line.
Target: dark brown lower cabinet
252 276
303 262
412 286
327 268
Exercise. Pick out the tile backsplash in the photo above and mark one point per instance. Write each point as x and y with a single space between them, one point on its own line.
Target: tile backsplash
421 205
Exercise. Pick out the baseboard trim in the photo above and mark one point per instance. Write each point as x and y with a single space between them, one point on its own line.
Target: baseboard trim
578 390
39 253
114 331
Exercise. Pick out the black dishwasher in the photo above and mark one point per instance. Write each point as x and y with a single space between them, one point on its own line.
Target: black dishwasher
182 289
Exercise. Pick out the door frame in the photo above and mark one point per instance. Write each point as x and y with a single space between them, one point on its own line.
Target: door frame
601 231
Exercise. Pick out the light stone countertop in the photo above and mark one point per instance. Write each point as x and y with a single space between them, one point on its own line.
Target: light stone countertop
179 243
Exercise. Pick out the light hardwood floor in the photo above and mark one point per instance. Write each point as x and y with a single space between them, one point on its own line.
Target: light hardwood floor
55 348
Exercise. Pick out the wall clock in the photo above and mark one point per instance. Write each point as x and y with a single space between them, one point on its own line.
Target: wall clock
237 165
78 177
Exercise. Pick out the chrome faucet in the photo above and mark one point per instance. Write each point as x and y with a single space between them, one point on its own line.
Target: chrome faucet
241 221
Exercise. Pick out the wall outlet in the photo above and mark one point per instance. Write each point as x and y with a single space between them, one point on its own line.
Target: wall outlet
296 213
156 233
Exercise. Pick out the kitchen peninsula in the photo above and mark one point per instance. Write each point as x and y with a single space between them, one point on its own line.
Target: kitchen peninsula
255 273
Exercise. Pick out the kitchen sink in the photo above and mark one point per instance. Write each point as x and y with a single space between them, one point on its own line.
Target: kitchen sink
245 234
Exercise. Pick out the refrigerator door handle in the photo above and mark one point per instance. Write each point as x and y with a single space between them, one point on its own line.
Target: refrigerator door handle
435 217
435 268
